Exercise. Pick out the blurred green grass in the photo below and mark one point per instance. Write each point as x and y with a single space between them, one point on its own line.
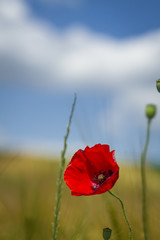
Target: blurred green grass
27 201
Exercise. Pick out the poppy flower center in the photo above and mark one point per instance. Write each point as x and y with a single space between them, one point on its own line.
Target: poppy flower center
100 177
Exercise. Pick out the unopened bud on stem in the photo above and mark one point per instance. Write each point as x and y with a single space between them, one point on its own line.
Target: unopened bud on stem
150 111
107 233
158 84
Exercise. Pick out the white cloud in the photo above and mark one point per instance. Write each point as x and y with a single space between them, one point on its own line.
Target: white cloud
34 50
13 10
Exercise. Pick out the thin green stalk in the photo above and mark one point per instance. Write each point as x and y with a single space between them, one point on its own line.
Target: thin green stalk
143 177
61 170
124 213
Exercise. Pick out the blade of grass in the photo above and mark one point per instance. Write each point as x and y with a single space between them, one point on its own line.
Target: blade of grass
61 170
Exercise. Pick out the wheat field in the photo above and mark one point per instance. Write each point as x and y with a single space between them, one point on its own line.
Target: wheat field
27 201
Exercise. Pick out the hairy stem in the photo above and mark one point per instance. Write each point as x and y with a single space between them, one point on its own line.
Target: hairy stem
124 213
61 170
143 178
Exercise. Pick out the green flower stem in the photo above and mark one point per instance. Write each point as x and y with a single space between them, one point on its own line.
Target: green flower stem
124 213
61 170
143 177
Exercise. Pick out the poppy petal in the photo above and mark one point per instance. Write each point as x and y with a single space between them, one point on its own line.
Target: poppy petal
76 176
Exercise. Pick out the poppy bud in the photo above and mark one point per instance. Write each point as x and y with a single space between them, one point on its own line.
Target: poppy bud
150 111
107 233
158 85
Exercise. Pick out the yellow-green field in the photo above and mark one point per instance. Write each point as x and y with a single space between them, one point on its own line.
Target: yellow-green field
27 200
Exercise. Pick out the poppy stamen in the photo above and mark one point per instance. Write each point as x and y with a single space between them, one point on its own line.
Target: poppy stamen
101 177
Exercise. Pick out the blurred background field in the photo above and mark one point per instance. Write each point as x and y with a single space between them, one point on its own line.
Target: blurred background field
27 201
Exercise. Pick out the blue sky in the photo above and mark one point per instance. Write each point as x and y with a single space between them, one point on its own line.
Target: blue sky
118 19
107 52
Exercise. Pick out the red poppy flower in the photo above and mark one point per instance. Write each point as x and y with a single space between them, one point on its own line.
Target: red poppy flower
92 171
